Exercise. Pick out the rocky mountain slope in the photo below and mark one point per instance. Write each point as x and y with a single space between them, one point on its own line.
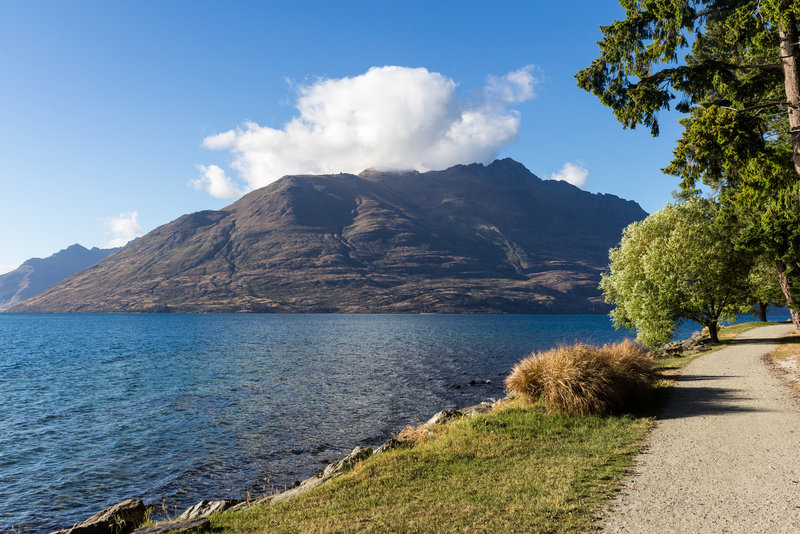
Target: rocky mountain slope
471 238
38 274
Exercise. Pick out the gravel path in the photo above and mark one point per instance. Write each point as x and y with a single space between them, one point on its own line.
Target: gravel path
725 454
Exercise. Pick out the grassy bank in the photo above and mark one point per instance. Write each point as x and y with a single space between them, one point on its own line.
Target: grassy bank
516 469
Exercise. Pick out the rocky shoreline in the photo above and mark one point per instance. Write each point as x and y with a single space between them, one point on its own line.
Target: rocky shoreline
127 516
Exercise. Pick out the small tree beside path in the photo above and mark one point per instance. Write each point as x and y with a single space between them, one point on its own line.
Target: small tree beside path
677 264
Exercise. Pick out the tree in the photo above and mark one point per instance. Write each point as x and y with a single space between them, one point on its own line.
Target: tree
764 287
745 59
739 85
675 265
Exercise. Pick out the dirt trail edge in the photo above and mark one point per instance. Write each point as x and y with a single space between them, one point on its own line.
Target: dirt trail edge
725 454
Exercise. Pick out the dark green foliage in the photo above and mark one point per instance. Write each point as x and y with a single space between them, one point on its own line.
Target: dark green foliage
734 59
738 83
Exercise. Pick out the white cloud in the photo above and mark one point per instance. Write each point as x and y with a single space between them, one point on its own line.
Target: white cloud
574 173
7 268
514 87
123 228
216 182
391 118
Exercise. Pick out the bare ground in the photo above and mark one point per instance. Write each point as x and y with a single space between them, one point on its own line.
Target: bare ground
725 454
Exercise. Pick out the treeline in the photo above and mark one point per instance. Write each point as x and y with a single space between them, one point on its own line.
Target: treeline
703 259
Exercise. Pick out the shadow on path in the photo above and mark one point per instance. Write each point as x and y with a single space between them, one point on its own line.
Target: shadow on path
751 341
695 378
698 401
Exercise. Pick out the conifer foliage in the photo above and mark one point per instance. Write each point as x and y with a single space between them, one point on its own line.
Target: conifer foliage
739 85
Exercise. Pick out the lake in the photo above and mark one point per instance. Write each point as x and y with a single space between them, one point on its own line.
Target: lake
173 408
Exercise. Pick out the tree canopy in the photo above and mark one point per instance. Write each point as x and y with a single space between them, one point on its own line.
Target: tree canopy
742 69
739 86
677 264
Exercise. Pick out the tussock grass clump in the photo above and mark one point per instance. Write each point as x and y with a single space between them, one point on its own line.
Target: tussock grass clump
582 379
413 435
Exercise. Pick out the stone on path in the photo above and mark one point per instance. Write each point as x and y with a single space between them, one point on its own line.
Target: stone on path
723 456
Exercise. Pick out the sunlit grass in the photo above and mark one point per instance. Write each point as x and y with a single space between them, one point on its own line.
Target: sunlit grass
729 332
517 469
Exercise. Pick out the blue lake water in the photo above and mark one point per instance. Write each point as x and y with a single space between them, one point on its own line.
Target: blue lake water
175 408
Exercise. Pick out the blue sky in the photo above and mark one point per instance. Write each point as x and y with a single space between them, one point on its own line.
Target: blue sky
107 108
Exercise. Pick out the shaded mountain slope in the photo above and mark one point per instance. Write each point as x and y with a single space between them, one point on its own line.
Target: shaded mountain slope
472 238
38 274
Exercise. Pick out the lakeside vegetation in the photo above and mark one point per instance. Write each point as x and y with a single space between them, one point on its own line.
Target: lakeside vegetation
738 87
519 468
583 379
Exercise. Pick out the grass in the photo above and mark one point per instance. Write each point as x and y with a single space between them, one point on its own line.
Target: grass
515 469
729 332
787 359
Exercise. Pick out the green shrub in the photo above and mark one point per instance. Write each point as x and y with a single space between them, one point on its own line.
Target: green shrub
582 379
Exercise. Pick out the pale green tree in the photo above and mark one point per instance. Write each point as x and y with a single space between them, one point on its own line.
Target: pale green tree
677 264
765 289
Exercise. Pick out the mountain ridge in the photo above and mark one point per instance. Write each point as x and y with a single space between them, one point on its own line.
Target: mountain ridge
38 274
471 238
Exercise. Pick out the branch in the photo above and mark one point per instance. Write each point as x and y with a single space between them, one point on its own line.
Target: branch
767 104
736 66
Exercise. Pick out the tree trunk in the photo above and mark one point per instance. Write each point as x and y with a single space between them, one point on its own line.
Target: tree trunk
713 330
790 57
762 311
787 293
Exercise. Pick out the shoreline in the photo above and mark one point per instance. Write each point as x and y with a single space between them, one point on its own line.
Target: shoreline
272 491
207 506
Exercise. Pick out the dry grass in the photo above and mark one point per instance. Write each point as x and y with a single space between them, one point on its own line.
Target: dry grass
582 379
786 359
413 435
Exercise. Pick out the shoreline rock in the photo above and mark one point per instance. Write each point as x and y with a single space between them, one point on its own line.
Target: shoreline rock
120 518
205 508
201 524
697 342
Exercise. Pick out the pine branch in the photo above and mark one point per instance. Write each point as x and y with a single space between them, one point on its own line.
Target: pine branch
763 105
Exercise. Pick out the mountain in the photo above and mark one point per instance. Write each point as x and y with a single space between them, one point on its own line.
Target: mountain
38 274
471 238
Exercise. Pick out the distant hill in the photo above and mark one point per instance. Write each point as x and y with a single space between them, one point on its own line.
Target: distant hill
38 274
471 238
